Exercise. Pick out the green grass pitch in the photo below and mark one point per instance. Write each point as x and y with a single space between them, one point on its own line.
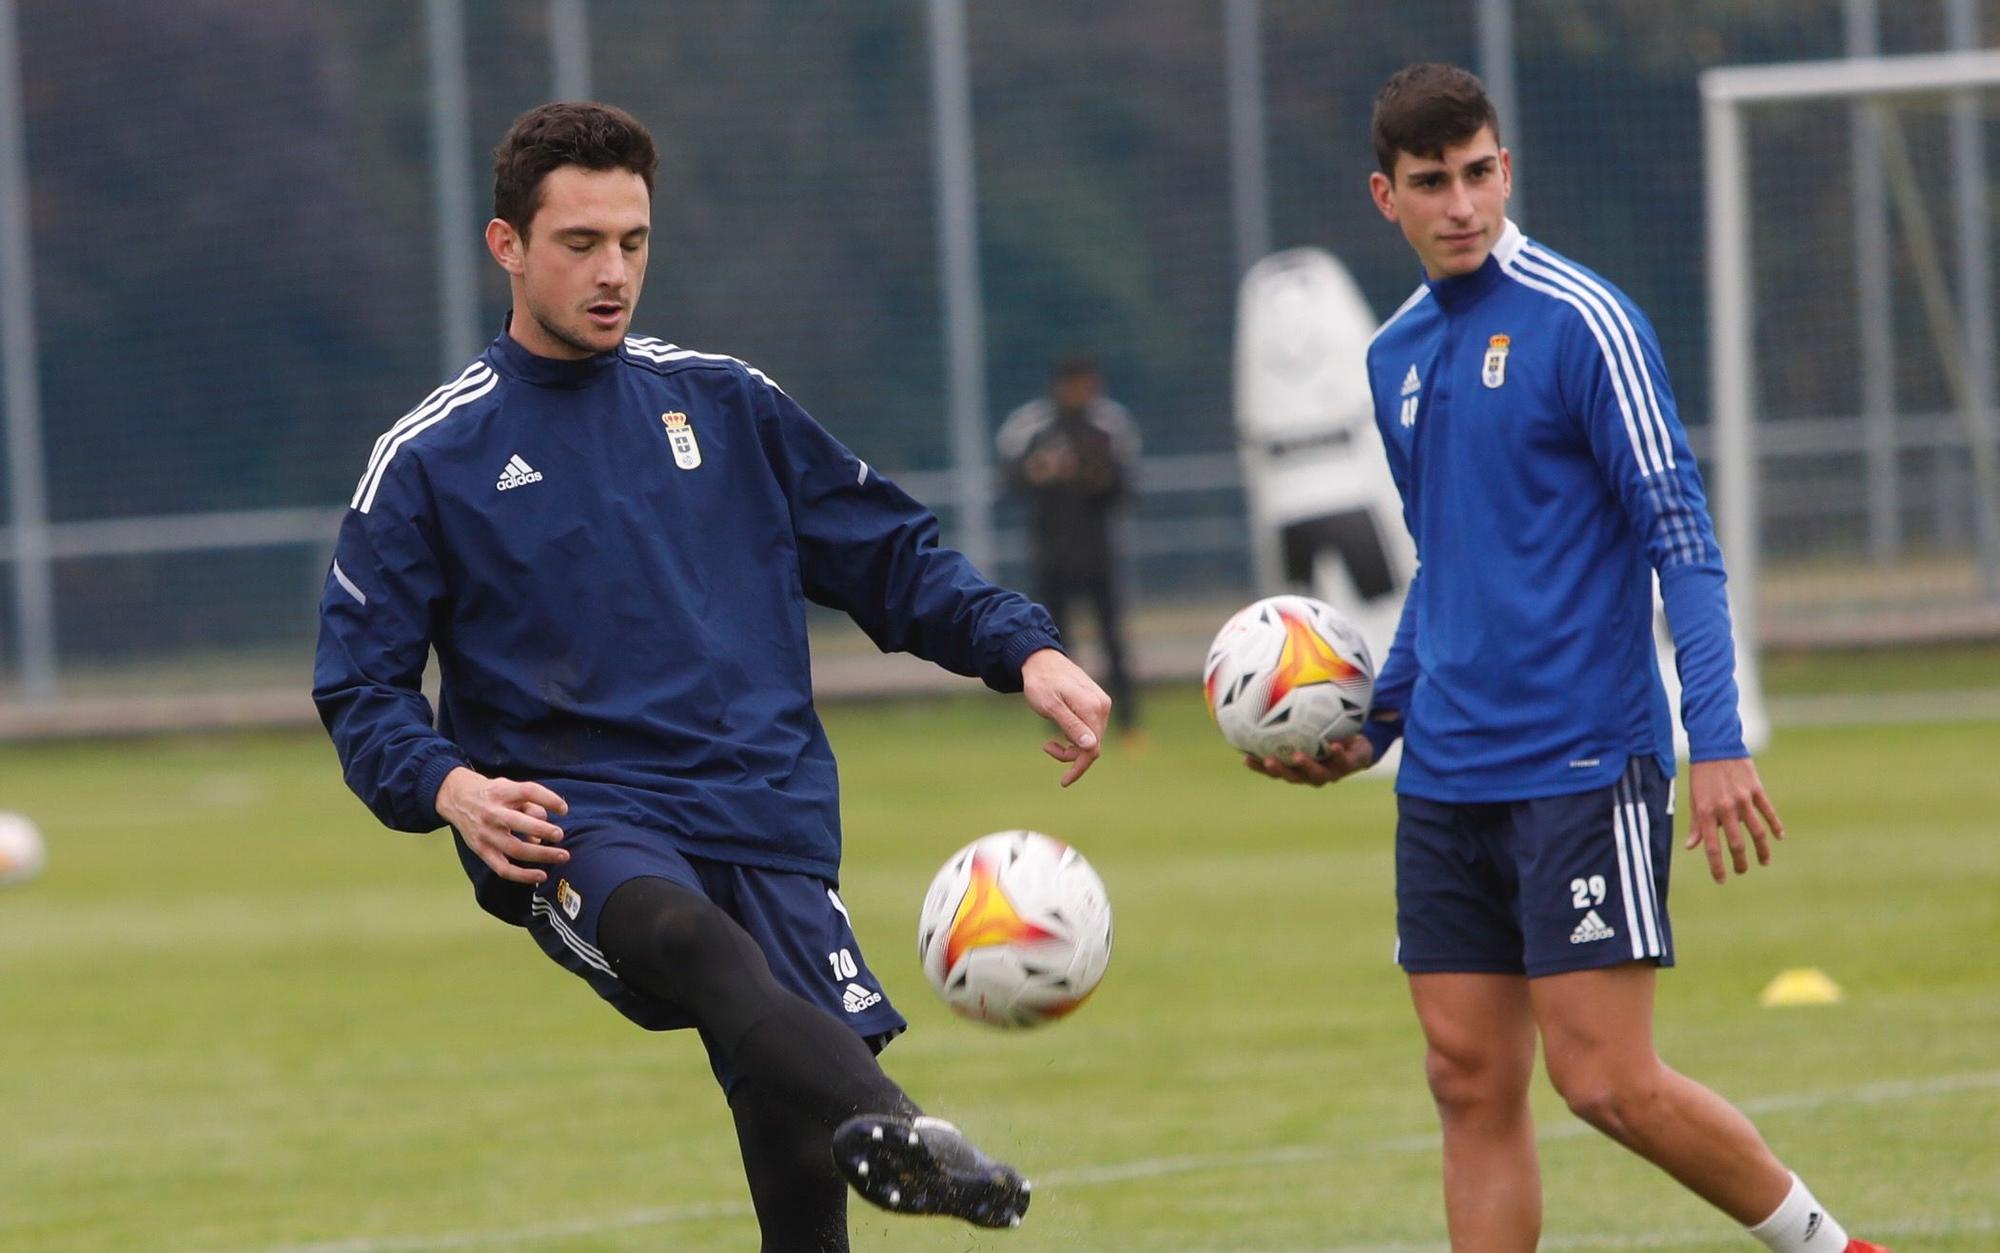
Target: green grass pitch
236 1015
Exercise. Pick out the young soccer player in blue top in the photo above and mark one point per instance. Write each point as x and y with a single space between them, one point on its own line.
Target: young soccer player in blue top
1546 477
609 542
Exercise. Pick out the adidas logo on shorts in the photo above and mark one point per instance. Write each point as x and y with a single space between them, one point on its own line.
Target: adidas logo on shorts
1590 930
858 998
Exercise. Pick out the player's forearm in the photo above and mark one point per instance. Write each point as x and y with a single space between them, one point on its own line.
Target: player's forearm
969 626
1705 654
389 754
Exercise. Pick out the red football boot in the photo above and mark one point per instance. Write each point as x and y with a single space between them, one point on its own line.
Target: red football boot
1862 1246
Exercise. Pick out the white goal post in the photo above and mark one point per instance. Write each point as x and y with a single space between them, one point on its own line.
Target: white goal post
1959 339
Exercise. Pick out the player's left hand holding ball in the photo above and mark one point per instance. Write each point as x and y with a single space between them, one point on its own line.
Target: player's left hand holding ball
1059 690
1343 757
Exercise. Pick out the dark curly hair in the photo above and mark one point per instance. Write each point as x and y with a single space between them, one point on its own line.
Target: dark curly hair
594 136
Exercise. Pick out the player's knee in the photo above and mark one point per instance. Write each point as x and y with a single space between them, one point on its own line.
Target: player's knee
1616 1103
1468 1080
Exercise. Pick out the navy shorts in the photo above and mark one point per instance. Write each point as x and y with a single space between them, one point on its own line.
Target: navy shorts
797 919
1537 887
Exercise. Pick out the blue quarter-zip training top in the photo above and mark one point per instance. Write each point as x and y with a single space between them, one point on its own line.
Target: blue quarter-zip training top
1545 474
612 559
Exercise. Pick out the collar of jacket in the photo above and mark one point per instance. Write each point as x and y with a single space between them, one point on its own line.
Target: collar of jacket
1462 289
515 361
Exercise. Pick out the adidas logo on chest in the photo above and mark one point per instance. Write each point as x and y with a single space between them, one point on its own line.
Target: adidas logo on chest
517 473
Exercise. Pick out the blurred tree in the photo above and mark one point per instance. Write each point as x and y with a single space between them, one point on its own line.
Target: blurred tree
207 294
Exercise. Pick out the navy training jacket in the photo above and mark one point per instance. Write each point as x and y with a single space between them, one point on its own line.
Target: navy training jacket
612 558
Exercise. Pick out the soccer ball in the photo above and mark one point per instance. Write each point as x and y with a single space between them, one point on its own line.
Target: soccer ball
21 850
1015 930
1286 674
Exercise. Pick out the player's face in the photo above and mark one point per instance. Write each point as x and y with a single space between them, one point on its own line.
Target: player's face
576 276
1452 207
1075 391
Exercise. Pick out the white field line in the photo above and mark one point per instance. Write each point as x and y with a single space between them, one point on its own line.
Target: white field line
1888 1092
1869 1094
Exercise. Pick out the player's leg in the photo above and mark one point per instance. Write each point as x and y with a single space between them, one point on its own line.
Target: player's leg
1053 590
1457 937
677 946
1479 1057
1110 623
681 948
800 1196
1597 1030
1595 927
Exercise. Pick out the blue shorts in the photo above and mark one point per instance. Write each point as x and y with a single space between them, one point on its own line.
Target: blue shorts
1537 887
797 919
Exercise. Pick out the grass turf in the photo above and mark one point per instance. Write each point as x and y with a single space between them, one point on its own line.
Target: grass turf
238 1016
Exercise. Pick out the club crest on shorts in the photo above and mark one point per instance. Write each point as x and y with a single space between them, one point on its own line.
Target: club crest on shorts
687 453
1495 372
570 900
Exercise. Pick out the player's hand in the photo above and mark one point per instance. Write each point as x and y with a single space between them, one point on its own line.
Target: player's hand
504 822
1343 757
1059 690
1727 799
1050 464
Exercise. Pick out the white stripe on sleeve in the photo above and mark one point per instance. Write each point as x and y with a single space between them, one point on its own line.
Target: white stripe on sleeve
340 577
1631 358
1648 462
373 483
474 374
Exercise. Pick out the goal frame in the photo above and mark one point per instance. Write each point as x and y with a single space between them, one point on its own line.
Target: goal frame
1726 92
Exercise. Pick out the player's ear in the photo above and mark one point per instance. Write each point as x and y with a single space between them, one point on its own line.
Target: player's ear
1506 174
1380 189
506 245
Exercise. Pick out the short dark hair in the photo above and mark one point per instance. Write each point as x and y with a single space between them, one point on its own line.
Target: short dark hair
1425 108
545 138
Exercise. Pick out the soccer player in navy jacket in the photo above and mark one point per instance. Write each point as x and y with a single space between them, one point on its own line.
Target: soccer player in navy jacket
609 542
1545 477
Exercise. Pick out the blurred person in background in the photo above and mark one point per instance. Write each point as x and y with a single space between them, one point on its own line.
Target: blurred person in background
1546 477
609 542
1072 454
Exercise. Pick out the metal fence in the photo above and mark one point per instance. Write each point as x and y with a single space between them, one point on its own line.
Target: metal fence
239 237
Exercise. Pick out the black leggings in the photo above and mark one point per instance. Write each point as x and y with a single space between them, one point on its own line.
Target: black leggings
800 1071
801 1199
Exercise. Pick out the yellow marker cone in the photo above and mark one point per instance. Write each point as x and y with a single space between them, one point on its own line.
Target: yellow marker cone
1802 986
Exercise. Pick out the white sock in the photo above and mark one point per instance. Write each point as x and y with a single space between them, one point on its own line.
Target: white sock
1801 1224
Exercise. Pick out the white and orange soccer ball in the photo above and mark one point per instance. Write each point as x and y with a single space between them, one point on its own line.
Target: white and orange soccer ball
1015 930
1286 674
22 852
